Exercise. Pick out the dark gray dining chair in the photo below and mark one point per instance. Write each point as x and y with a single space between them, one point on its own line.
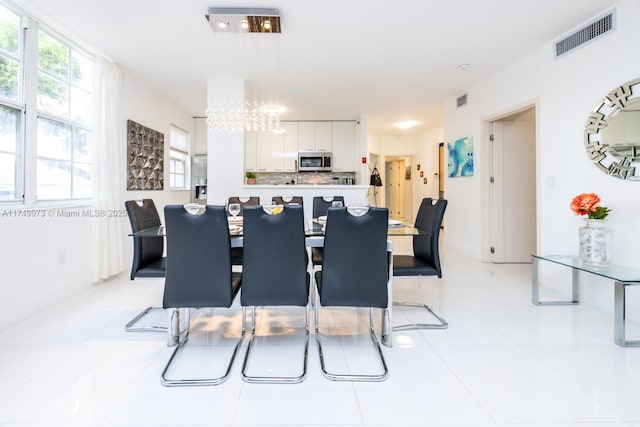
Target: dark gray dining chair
425 260
148 254
355 273
251 201
199 275
274 273
295 200
320 207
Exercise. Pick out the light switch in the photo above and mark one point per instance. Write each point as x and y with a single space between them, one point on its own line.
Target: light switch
551 181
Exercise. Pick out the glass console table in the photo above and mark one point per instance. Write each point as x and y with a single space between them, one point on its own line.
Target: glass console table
622 277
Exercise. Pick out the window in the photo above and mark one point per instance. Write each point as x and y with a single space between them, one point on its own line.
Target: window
179 159
48 105
11 107
64 117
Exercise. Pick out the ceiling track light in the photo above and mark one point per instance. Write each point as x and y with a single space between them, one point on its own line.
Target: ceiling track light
245 20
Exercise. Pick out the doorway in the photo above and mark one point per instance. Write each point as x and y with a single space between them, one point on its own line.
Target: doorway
441 170
394 188
397 187
512 217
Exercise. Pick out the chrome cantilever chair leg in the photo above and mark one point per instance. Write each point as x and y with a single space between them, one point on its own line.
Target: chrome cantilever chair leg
179 338
274 380
351 377
441 325
129 327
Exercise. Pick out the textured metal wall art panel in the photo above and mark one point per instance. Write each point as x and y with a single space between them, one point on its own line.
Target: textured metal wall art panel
145 156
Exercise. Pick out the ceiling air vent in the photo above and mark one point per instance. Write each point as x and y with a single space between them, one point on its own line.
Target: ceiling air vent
461 100
586 34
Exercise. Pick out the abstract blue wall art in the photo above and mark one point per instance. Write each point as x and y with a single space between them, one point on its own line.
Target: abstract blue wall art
460 158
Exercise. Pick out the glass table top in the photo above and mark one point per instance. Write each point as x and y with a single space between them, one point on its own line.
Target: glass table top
619 273
313 229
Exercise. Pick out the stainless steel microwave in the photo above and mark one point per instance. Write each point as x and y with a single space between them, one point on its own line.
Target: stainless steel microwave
314 161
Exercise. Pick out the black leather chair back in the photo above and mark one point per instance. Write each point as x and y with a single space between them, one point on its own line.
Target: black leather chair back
275 258
252 201
198 259
278 200
147 251
355 265
429 221
320 205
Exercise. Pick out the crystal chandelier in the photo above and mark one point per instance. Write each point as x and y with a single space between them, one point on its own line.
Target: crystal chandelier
256 115
244 116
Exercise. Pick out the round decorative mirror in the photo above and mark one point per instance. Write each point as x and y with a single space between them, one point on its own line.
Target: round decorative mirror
612 132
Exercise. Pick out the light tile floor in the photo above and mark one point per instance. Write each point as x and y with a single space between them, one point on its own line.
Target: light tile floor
502 362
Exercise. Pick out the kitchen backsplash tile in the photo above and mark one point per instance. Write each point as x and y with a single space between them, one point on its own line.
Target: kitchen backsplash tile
304 178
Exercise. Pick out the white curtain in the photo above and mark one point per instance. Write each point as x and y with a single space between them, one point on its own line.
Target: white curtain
108 173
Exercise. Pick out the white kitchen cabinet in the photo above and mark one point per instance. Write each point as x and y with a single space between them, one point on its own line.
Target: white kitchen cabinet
276 151
290 146
271 152
263 151
343 146
314 136
257 155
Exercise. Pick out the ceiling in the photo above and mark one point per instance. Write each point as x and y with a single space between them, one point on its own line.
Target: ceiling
393 60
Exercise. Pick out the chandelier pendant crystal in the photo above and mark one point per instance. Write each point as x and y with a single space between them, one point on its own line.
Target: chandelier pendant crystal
244 116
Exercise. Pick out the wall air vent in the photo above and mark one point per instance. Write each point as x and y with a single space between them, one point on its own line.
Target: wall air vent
461 101
589 32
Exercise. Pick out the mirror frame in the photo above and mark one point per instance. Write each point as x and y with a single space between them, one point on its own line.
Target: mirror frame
600 153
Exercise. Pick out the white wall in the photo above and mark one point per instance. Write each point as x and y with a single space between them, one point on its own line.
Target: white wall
564 91
151 109
427 157
47 259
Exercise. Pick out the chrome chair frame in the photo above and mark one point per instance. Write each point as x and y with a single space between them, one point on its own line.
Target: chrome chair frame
178 338
273 379
129 327
442 323
350 377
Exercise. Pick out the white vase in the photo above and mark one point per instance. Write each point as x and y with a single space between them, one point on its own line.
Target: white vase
595 243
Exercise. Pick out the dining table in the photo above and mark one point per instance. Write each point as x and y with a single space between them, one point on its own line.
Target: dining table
314 237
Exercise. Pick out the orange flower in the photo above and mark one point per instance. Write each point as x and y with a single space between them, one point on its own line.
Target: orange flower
588 204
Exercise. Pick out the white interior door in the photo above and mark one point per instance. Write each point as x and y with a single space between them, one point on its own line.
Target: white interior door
513 161
395 188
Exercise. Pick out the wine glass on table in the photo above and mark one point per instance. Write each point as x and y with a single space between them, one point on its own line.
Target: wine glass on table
234 210
336 204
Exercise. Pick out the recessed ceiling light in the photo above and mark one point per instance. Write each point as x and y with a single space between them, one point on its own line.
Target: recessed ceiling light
406 125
